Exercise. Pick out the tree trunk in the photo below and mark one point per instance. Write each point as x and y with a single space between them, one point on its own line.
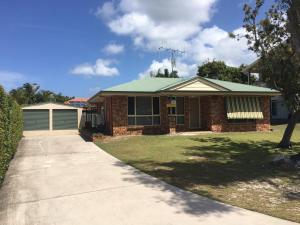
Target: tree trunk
286 139
294 24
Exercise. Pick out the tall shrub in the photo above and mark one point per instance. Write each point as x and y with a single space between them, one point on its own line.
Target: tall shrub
11 127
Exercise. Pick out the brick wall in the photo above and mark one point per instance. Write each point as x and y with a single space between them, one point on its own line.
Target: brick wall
213 117
264 124
119 115
119 120
219 123
217 113
164 121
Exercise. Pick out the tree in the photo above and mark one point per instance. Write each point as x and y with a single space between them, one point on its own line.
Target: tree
166 74
293 12
25 94
279 63
31 93
61 98
219 70
18 95
45 96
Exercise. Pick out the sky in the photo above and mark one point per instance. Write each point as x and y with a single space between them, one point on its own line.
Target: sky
80 47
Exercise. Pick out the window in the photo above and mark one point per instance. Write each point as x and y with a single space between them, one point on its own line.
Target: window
156 106
131 105
143 106
143 111
177 111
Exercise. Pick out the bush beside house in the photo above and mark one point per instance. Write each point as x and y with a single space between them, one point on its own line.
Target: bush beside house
11 128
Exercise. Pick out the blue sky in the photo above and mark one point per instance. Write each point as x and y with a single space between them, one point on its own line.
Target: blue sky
80 47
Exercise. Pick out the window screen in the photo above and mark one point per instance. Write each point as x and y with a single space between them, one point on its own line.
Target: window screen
131 107
143 111
143 106
156 105
180 105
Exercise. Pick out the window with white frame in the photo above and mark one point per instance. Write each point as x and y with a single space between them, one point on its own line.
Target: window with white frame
177 111
143 110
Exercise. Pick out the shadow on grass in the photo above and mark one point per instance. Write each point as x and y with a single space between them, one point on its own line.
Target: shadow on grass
214 161
220 162
183 201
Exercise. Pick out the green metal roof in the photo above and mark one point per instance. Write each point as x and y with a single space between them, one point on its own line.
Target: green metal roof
161 84
240 87
146 85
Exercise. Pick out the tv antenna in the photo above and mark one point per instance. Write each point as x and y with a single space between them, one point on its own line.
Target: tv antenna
174 53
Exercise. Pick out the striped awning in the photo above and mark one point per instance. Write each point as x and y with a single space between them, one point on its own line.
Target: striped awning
243 108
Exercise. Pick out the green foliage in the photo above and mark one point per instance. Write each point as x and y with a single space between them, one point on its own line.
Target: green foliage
275 39
219 70
11 128
269 38
31 93
166 74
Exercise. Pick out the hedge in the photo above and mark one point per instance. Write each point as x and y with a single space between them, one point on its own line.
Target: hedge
11 128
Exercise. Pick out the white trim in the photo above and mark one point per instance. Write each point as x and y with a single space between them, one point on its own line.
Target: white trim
211 84
49 105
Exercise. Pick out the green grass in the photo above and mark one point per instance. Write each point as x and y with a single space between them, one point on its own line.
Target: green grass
231 167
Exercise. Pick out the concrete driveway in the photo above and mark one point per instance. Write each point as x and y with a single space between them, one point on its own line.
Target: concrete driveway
62 180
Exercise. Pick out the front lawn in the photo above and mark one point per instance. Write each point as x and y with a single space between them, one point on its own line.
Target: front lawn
231 167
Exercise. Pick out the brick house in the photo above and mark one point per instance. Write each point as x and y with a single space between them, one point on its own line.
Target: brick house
167 105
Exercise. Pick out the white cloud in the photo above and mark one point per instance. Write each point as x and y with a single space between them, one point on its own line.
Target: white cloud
150 23
10 80
170 10
102 67
215 43
106 11
182 68
177 24
113 49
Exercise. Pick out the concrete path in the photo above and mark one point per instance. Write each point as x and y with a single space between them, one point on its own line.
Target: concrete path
62 180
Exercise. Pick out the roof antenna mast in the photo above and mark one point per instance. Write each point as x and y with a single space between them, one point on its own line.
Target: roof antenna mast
174 53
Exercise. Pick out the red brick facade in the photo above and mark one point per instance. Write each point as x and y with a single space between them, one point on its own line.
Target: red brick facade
219 123
212 113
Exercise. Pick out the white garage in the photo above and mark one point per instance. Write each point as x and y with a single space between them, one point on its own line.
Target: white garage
51 117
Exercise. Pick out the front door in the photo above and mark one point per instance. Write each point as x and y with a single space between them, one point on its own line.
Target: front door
194 113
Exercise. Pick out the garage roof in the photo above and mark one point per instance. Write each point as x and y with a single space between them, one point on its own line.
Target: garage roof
49 105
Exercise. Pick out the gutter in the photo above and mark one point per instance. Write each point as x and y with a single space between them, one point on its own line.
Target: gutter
186 93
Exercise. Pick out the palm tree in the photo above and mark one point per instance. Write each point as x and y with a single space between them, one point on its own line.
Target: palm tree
30 92
27 94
